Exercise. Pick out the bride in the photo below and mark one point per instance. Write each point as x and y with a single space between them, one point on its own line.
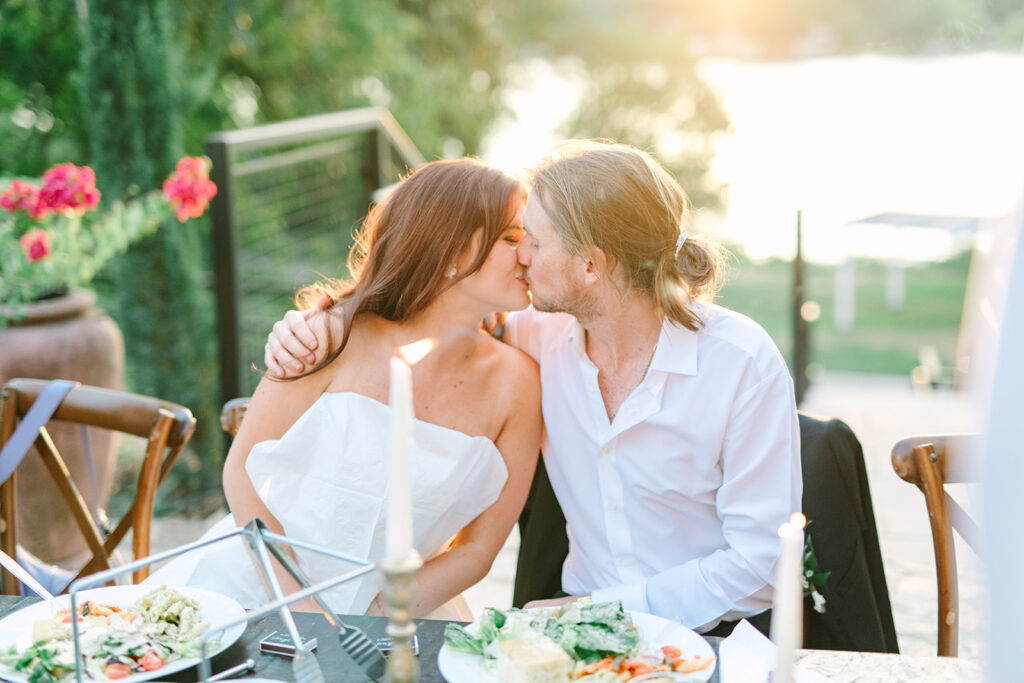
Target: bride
310 459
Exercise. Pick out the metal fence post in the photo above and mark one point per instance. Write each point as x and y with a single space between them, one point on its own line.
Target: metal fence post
225 273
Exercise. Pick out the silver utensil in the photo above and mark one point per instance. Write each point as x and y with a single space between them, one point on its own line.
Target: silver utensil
11 565
305 668
246 666
356 643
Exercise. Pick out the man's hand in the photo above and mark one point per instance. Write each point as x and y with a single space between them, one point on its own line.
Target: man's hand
555 602
291 344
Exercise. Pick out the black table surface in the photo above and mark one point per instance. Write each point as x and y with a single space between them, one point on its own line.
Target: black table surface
336 664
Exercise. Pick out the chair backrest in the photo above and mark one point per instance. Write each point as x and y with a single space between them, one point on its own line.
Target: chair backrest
166 426
841 525
930 462
232 413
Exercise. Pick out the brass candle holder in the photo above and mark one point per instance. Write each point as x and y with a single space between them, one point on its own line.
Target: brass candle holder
399 593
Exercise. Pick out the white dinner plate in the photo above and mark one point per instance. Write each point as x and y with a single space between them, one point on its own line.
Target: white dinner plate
462 667
215 609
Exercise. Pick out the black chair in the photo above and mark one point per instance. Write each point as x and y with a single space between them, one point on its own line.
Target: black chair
836 500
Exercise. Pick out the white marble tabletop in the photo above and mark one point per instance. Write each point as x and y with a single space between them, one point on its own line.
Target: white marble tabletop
872 667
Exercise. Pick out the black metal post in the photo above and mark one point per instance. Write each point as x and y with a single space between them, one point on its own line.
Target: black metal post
225 275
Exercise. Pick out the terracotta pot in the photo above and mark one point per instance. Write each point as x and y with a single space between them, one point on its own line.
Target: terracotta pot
65 337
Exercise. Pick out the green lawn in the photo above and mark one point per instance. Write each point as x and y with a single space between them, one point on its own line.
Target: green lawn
882 340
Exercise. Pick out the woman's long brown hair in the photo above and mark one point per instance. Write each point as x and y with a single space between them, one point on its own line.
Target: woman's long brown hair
410 240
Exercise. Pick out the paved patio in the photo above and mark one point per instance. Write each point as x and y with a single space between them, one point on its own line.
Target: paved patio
880 410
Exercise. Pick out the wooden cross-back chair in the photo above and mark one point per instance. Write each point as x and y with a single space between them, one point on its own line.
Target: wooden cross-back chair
930 462
166 426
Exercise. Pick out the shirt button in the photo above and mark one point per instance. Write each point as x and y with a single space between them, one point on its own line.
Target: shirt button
612 507
605 450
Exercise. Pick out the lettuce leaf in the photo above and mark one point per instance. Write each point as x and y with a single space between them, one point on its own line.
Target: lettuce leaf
589 631
457 638
489 623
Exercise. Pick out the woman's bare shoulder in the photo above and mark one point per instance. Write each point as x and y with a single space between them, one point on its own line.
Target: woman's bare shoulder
518 372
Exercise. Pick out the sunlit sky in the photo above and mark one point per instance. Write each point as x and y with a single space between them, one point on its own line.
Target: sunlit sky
840 138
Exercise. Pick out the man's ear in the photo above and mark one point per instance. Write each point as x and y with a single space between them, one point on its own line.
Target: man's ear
595 266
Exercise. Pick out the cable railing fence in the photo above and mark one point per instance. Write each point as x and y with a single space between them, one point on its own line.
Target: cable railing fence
290 197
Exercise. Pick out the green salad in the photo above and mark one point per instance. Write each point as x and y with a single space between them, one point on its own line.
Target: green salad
115 642
587 631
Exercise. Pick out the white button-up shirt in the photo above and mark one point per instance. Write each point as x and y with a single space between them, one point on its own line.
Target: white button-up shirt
673 507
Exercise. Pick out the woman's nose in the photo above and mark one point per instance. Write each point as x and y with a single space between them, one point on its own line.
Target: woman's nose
522 254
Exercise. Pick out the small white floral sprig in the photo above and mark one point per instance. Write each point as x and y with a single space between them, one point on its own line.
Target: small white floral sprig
812 578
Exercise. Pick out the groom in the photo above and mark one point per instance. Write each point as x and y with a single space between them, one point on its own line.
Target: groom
671 435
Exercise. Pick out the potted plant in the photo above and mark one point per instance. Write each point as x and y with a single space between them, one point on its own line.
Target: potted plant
55 236
53 239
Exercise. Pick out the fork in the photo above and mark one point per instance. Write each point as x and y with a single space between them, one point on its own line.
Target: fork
305 668
356 643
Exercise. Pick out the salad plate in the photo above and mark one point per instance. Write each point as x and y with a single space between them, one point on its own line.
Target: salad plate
16 628
655 632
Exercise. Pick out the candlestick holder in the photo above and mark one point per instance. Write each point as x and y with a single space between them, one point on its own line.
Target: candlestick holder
399 593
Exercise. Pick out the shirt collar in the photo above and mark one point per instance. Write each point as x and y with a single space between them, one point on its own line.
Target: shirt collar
676 351
578 339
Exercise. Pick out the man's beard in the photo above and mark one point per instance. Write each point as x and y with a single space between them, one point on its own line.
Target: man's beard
573 299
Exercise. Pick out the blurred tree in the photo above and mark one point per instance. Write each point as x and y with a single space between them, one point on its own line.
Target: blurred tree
787 28
640 86
435 64
130 83
905 27
37 94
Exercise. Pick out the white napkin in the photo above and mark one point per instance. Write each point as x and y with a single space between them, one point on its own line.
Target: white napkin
747 656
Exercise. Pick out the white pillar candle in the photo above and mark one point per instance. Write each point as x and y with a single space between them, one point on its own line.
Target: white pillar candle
399 529
787 611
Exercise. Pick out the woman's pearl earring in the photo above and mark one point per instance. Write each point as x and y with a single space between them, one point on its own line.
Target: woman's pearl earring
451 272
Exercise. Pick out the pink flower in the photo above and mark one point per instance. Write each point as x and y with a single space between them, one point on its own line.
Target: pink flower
189 188
24 196
36 244
67 187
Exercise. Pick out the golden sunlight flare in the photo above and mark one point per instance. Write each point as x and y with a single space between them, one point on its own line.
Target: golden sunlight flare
414 352
797 520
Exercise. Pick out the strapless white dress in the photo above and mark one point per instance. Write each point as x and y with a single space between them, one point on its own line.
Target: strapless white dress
326 482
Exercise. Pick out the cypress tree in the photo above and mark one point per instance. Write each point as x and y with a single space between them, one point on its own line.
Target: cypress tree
130 81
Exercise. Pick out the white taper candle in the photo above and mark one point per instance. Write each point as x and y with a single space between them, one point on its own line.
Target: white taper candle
787 610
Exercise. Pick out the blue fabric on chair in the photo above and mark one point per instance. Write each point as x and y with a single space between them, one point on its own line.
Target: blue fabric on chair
52 577
28 429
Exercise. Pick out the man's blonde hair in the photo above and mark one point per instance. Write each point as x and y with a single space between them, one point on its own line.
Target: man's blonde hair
621 200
